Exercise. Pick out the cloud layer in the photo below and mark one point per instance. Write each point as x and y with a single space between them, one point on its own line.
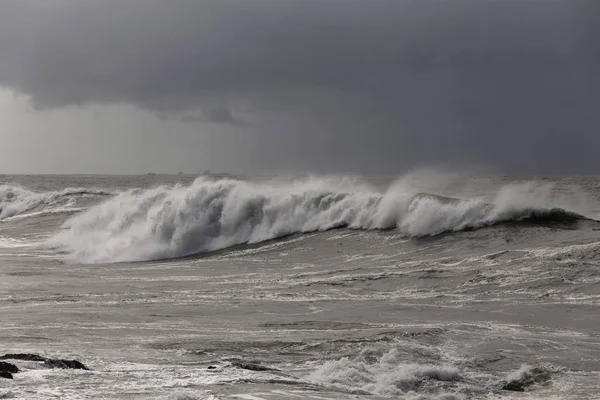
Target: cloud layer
448 80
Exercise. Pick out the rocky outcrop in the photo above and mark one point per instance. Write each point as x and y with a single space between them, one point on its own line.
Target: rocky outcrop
5 375
527 376
514 386
241 364
22 356
65 364
251 366
7 369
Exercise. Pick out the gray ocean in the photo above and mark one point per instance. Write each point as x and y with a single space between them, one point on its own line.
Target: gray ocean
430 285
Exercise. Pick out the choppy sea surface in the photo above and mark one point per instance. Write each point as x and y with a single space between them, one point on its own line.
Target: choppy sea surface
424 286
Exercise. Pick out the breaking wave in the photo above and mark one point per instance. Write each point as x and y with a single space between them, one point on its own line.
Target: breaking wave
386 375
208 215
16 200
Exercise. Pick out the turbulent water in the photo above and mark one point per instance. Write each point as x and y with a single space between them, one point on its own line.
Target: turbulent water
429 286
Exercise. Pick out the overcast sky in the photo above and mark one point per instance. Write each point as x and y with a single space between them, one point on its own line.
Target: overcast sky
249 86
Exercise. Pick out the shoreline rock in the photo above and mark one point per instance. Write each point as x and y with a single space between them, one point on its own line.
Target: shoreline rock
5 375
7 369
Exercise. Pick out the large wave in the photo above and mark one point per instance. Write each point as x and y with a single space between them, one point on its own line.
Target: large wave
16 200
176 221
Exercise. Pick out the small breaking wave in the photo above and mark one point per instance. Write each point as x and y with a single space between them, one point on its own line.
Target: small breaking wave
386 376
528 376
208 215
16 200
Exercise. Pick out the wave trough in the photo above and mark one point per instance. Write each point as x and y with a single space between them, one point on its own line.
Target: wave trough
176 221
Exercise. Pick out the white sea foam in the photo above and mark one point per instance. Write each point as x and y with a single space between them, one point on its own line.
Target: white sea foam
7 242
384 375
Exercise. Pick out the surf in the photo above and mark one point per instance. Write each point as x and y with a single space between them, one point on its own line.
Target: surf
208 215
17 200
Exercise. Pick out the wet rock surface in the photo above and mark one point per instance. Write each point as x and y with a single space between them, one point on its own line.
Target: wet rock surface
65 364
22 356
514 386
5 375
251 366
8 369
526 378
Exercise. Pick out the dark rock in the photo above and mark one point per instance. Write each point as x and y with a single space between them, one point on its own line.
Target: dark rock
251 366
8 367
212 367
52 363
514 386
23 356
65 364
528 377
6 375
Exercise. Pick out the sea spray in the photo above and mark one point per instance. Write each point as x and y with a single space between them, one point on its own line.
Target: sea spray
386 375
207 215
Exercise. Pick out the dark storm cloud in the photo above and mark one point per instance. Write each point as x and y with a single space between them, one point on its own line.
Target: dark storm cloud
479 80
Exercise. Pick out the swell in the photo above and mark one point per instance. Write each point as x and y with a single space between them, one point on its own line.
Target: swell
16 200
552 216
208 215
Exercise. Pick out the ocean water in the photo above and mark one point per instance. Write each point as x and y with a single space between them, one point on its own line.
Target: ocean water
426 286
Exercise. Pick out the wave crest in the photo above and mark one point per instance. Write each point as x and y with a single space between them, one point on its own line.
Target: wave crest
16 200
385 374
169 222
